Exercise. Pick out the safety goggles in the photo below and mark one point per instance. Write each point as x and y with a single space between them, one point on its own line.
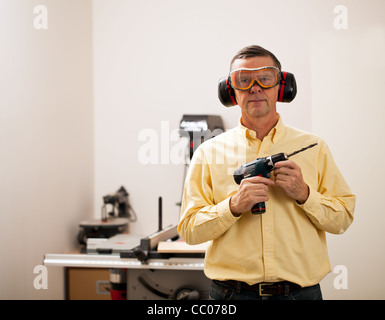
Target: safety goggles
244 79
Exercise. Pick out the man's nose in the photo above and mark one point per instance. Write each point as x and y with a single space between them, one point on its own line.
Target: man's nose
255 87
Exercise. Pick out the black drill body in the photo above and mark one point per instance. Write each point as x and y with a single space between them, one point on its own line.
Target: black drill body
262 167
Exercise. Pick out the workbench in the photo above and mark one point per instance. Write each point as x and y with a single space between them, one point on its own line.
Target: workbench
152 280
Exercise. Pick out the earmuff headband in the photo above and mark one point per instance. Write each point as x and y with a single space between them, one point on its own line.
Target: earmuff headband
282 86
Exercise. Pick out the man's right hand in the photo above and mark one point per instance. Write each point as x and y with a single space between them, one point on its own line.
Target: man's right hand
251 191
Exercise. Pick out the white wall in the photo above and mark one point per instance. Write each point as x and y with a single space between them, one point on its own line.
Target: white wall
157 60
348 111
46 139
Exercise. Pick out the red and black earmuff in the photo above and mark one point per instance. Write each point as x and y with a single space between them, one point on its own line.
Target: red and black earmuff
287 90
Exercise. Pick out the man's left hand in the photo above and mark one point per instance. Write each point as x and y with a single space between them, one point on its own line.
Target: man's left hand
288 176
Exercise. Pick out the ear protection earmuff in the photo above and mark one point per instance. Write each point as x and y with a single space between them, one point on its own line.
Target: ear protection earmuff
286 93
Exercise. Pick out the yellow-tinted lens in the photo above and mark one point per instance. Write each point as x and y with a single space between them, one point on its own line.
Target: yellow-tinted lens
243 79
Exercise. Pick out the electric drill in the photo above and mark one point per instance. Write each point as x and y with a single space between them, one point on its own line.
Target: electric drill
262 167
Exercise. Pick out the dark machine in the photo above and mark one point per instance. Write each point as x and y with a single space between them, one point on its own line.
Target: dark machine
116 215
199 128
120 206
262 167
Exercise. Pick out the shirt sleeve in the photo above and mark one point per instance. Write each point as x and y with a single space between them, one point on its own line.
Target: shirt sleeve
201 218
330 206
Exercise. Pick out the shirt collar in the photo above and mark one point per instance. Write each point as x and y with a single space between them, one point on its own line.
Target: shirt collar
274 135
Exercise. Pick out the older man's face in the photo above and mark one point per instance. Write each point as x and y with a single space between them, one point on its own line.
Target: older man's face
256 102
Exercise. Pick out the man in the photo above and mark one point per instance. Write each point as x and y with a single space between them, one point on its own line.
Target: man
280 254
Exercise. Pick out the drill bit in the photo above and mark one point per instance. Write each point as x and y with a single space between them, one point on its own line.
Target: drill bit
303 149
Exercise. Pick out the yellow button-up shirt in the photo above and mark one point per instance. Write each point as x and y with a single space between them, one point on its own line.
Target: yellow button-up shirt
288 241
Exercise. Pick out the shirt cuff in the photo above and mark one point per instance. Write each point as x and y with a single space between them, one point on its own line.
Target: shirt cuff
311 205
226 217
